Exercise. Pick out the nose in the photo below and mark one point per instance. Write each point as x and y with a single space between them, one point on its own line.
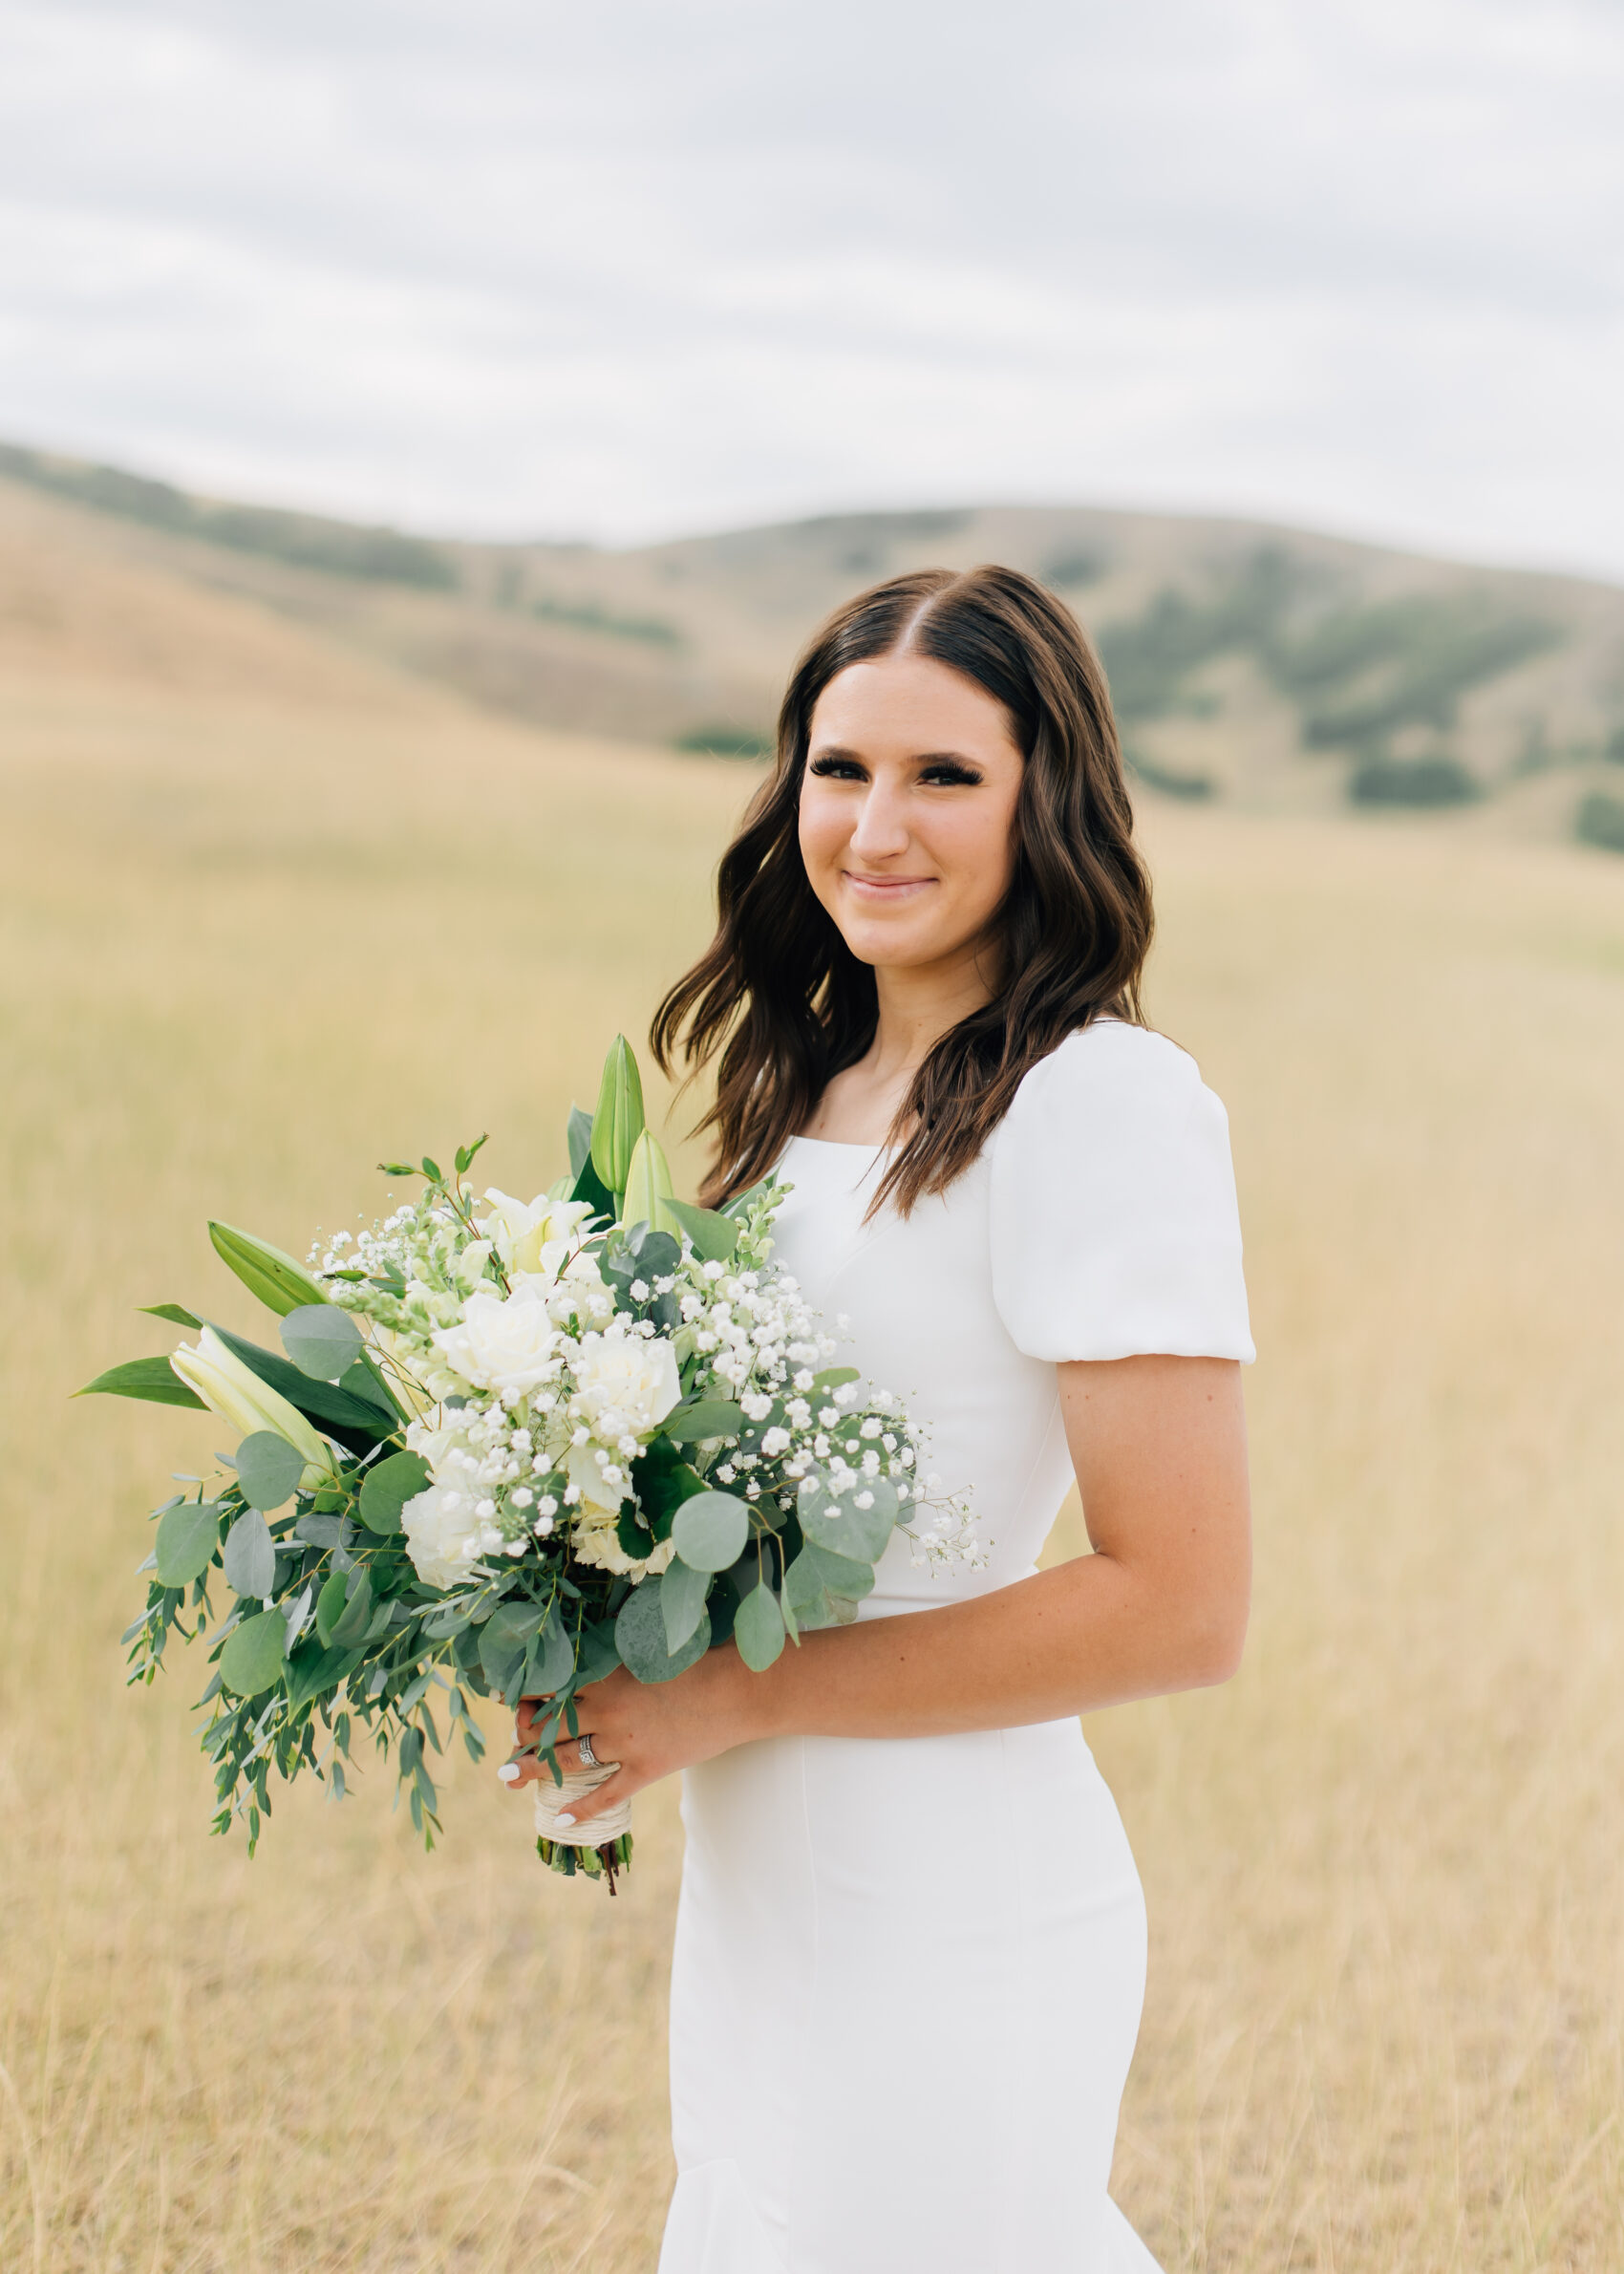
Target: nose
882 831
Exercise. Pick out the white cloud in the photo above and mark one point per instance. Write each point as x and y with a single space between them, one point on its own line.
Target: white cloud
509 266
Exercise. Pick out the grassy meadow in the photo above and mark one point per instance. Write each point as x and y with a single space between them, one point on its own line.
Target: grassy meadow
249 948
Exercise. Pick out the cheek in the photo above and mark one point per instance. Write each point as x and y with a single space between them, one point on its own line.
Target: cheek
824 826
979 849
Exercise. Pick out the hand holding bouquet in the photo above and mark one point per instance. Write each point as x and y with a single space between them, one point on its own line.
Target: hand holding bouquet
506 1447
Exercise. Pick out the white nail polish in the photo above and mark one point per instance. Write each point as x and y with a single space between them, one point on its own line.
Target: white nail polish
509 1773
562 1821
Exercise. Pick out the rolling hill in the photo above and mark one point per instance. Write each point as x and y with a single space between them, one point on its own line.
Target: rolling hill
1264 668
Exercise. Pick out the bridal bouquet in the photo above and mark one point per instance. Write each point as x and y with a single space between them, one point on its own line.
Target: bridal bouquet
507 1445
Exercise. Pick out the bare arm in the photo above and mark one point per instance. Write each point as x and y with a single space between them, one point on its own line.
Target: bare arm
1159 1445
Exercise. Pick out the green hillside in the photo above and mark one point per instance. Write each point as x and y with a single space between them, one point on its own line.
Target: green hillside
1264 668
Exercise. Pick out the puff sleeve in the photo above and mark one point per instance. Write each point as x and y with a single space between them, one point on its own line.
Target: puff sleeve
1114 1224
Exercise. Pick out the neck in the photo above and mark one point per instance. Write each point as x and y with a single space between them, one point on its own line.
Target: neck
918 1005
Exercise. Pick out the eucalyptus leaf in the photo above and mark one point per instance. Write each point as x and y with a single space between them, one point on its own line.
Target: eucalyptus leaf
188 1536
386 1488
833 1377
840 1574
315 1671
269 1468
712 1235
711 1417
249 1555
597 1653
759 1628
555 1661
640 1637
683 1590
711 1530
842 1524
331 1605
255 1655
322 1340
349 1627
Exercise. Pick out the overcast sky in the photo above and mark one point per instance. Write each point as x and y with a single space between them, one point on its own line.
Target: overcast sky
512 266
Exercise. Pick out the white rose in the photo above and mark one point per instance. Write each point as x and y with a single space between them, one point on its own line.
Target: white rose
502 1342
523 1232
630 1377
438 1535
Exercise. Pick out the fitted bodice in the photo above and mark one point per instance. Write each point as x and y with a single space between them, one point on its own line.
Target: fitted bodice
912 1300
1099 1221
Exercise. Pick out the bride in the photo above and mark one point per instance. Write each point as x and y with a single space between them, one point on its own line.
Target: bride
910 1947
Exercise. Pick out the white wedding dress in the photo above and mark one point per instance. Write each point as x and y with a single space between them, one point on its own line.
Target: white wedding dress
908 1973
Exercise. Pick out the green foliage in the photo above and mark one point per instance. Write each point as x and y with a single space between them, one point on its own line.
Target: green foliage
248 1557
589 615
618 1122
1358 675
386 1488
189 1533
252 1659
724 741
355 1423
640 1637
683 1589
710 1531
1416 782
1069 571
280 1283
322 1341
1600 821
839 1521
153 1378
1193 789
269 1468
1614 747
1364 674
759 1628
374 555
712 1235
705 1417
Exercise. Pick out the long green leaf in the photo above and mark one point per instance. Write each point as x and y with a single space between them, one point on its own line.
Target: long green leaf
153 1379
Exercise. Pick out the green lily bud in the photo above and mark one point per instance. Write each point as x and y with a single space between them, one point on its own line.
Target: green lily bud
648 1187
618 1123
280 1283
236 1394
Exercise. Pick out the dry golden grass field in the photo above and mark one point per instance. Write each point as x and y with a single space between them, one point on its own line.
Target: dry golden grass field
250 946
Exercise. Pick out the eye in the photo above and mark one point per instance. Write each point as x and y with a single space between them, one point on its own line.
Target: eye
833 767
951 773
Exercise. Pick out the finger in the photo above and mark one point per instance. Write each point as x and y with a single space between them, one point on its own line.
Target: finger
592 1806
521 1768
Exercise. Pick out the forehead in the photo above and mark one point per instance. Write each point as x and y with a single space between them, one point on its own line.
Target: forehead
908 704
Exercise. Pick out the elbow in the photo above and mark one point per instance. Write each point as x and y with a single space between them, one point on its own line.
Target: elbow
1213 1648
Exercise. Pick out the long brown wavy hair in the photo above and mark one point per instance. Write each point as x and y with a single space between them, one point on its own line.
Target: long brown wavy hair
782 998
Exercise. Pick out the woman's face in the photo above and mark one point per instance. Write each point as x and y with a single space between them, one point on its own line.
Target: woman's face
907 810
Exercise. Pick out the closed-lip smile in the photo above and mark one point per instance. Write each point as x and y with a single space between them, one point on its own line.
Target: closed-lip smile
885 886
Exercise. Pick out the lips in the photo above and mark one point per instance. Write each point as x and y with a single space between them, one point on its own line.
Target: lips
886 888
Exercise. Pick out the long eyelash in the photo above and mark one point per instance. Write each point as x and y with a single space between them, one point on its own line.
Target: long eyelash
953 776
836 766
